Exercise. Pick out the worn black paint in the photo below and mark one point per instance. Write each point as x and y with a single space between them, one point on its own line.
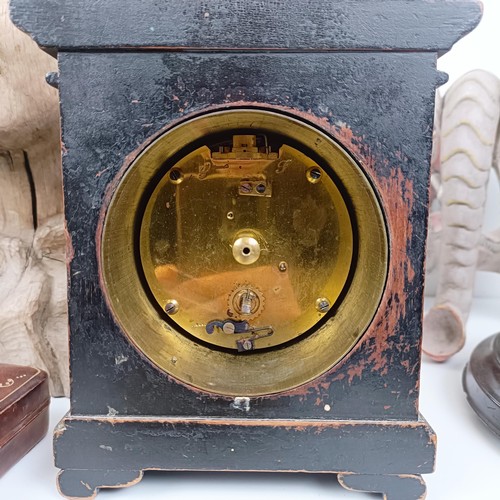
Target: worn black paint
203 444
85 483
114 102
249 24
365 67
394 487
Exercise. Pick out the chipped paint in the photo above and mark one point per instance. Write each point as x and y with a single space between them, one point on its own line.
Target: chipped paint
111 412
376 343
421 423
241 404
120 359
70 250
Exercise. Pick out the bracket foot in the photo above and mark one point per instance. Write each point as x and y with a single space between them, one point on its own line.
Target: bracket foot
393 487
79 484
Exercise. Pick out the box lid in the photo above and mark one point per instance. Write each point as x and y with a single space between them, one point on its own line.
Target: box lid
24 392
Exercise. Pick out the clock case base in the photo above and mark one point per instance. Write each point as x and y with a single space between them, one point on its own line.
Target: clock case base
376 456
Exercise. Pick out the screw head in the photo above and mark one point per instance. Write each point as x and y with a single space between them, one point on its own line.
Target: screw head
228 327
176 176
313 175
171 307
247 345
283 266
322 304
245 187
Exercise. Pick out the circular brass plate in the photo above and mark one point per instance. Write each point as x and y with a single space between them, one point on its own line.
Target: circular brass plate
192 252
169 232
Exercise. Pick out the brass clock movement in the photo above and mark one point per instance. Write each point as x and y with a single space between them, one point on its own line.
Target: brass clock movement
232 252
246 193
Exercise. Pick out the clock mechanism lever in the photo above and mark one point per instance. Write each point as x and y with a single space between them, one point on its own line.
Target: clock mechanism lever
230 326
227 326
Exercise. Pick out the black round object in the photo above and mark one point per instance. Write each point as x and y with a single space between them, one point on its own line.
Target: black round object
481 382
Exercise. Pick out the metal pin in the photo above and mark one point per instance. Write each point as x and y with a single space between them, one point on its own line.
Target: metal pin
247 302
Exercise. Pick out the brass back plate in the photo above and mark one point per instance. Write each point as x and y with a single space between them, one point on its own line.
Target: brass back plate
182 232
203 240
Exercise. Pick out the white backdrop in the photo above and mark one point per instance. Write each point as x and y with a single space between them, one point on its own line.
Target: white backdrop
480 50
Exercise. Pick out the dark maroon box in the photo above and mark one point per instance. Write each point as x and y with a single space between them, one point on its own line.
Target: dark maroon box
24 412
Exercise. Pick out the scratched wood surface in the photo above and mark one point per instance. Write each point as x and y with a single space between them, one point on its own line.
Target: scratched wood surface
374 456
230 24
379 106
370 447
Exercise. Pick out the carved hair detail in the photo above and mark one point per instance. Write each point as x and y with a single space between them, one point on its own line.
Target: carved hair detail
466 150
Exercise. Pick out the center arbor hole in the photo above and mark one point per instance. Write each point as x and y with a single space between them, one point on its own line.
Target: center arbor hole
246 251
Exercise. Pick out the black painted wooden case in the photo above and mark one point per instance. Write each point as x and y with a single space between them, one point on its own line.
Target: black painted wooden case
365 74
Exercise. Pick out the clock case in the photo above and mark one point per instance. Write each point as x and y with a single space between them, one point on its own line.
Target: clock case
363 73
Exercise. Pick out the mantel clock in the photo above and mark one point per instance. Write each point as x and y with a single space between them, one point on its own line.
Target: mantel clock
246 199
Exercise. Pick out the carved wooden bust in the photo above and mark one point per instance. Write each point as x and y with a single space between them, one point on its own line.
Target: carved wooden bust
33 320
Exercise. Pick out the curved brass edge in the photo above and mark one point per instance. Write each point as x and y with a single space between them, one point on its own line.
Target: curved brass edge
221 372
308 226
